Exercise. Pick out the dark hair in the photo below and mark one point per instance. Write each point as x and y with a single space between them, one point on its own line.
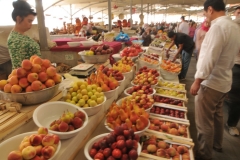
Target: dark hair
22 9
217 5
183 17
238 7
171 34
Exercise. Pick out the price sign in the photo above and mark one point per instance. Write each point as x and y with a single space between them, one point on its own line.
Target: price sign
68 57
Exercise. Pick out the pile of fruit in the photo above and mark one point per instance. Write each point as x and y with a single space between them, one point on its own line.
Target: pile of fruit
168 127
132 51
149 59
171 85
139 90
170 92
100 50
124 65
168 112
84 95
33 75
148 70
168 150
132 115
111 72
145 79
142 100
36 146
118 144
171 101
157 43
171 66
68 122
103 81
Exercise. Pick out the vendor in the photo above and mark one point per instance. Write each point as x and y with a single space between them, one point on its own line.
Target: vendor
21 46
146 36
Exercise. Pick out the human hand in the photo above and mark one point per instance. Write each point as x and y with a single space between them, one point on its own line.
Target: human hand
174 58
194 88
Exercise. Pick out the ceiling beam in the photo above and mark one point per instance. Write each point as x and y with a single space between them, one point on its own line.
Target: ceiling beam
52 5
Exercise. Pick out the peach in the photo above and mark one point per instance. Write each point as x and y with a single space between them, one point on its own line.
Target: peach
48 140
38 149
42 76
36 68
36 85
26 64
26 139
48 151
57 78
15 155
32 58
24 145
14 72
28 89
10 75
13 80
37 60
16 89
37 158
21 72
56 139
49 83
46 63
23 82
35 140
7 88
32 77
29 152
51 71
44 86
2 84
43 69
42 130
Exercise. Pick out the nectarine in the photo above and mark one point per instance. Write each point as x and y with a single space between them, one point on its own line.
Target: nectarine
26 64
16 89
32 77
29 152
36 85
21 72
49 83
51 71
23 82
15 155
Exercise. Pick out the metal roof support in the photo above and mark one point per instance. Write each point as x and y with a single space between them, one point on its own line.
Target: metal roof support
53 5
109 16
100 11
88 6
131 21
41 26
71 13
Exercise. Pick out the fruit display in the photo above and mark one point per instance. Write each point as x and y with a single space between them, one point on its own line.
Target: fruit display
100 50
149 59
170 101
132 51
103 81
171 85
33 75
169 127
165 111
142 100
139 90
154 146
148 70
121 143
157 43
171 66
84 95
145 79
171 92
131 115
68 121
36 146
124 65
111 72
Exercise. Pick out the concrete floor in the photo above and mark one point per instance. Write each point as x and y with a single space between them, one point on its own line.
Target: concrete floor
231 144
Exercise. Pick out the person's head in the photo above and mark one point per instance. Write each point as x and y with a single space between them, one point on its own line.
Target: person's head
23 15
171 35
237 12
214 9
182 18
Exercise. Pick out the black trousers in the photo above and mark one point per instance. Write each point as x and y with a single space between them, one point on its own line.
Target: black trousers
233 100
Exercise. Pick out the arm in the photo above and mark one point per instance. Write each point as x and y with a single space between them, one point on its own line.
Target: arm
179 51
169 48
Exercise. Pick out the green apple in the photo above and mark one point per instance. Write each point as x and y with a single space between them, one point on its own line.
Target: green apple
88 101
74 94
81 102
84 92
94 86
93 103
79 96
99 89
73 102
94 97
83 86
89 88
85 97
68 100
86 106
100 100
90 94
78 104
75 99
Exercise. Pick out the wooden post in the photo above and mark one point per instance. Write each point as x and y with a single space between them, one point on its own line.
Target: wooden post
109 16
131 21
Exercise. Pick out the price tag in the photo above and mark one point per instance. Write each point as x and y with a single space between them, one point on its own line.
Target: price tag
68 57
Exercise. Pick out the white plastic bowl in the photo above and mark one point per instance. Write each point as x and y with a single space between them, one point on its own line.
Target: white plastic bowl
128 75
79 38
138 132
153 86
46 113
133 58
93 59
87 43
73 44
117 57
111 93
13 143
90 143
94 110
168 75
120 82
125 92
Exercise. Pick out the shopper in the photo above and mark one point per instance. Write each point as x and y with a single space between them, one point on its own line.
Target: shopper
233 100
185 46
183 26
213 77
146 36
192 29
21 46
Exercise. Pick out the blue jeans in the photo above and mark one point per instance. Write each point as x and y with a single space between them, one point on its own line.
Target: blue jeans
186 58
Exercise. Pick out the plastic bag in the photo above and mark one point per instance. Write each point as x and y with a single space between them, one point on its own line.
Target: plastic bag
122 37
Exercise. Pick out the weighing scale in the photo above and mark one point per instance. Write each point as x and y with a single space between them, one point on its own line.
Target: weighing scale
82 70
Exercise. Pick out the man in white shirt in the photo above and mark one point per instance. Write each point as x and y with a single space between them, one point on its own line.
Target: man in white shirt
184 26
213 77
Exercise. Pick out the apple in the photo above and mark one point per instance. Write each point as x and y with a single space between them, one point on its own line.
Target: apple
15 155
29 152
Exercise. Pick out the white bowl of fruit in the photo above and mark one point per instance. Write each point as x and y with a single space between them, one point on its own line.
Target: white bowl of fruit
31 145
139 90
111 93
94 110
72 118
116 145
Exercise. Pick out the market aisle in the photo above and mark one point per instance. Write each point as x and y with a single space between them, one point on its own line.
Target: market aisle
231 144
